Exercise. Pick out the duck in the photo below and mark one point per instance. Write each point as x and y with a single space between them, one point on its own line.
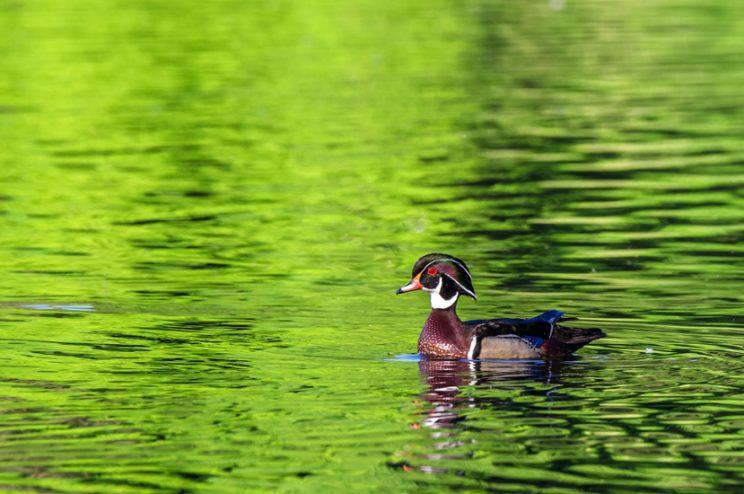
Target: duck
446 278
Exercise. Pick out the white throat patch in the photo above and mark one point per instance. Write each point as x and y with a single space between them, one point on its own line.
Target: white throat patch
437 302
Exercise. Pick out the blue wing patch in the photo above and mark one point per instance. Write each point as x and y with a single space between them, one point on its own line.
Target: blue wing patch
535 341
550 316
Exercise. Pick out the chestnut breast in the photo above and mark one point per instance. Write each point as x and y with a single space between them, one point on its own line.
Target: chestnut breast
444 336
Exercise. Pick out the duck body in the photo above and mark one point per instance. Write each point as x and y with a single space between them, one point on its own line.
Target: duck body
444 335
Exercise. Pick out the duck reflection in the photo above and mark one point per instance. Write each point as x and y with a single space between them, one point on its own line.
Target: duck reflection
457 389
446 378
446 406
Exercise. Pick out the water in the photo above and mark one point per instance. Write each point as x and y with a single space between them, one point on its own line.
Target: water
206 208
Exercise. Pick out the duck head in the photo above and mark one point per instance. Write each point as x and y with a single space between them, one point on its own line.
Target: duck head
445 278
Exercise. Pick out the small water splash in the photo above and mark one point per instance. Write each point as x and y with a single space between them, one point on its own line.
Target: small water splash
405 357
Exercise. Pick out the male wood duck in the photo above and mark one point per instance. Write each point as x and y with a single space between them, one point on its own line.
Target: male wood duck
445 336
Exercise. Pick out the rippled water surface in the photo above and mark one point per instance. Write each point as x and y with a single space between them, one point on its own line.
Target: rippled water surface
206 208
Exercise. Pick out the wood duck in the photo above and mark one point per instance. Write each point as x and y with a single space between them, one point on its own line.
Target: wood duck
445 336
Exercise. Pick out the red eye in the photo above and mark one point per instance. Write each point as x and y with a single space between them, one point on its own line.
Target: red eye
431 271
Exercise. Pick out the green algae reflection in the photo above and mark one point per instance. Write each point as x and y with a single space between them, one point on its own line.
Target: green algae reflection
206 208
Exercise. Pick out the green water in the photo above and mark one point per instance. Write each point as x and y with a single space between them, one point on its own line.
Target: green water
206 208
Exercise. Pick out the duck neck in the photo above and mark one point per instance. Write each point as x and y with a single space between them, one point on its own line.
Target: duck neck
443 334
447 315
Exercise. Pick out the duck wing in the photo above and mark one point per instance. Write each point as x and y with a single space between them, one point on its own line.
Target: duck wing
542 332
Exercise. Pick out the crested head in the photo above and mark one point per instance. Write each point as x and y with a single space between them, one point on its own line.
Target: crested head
445 277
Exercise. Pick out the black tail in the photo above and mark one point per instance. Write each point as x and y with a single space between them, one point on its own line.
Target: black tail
566 341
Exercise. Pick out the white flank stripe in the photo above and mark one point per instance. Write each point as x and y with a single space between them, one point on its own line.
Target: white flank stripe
473 343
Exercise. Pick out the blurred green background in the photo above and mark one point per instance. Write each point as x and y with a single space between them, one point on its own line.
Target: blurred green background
206 208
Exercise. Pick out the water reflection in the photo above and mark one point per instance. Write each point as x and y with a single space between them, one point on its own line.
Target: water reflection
451 396
446 378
